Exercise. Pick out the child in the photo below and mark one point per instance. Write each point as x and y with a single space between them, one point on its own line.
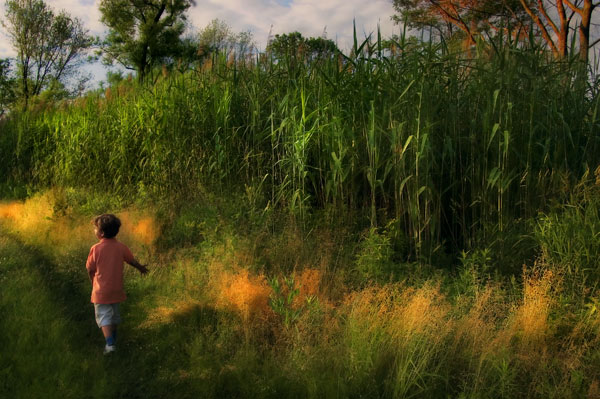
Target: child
105 268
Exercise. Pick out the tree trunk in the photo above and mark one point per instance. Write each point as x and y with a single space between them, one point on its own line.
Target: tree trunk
143 64
584 30
585 13
563 32
25 66
542 25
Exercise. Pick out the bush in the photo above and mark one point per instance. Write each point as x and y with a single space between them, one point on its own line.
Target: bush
569 236
374 258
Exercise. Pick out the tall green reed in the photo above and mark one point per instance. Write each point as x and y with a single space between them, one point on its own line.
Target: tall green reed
452 148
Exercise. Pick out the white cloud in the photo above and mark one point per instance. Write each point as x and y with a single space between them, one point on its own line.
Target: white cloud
310 17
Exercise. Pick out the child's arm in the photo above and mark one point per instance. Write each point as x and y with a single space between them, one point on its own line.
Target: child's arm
90 265
138 266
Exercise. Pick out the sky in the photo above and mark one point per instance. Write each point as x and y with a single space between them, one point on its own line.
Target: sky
309 17
260 17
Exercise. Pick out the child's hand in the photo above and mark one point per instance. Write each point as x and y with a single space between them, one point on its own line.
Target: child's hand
142 268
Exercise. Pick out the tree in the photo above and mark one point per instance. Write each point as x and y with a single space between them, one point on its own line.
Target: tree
472 18
542 14
49 47
217 37
552 18
296 47
143 33
7 87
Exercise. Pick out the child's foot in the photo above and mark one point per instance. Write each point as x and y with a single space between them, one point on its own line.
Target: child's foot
109 349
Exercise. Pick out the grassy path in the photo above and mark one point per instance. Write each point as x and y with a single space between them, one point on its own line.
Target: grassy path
50 346
177 341
45 349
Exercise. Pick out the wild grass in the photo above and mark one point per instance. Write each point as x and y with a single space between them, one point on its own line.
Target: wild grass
398 223
452 150
205 321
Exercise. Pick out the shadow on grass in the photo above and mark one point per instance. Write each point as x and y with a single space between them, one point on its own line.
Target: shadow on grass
188 356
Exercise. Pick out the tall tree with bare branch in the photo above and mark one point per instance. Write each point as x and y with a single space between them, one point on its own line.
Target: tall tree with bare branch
554 20
470 18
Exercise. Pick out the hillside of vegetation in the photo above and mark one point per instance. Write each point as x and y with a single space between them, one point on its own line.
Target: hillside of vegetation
398 223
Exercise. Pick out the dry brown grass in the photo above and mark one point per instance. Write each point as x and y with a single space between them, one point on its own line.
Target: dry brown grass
308 282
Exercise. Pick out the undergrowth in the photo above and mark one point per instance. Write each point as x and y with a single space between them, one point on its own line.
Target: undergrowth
280 310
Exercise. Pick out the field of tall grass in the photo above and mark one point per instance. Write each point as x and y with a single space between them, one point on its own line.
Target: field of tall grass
252 312
395 222
451 150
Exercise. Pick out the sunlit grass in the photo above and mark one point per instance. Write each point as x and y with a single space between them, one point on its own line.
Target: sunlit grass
205 315
349 228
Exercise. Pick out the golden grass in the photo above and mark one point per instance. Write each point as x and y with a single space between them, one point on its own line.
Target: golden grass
169 314
412 323
244 293
401 312
138 226
30 216
531 316
36 222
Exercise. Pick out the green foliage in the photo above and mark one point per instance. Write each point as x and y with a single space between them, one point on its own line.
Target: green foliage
54 92
114 78
386 341
192 224
282 299
374 257
143 34
49 310
294 46
218 38
7 87
569 235
49 46
459 153
86 201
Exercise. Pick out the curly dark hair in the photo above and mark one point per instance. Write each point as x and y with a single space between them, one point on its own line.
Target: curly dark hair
108 224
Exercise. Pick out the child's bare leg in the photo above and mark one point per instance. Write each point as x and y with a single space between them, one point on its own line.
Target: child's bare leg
108 331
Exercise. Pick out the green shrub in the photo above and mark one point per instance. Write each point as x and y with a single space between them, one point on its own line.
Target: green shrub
374 258
570 239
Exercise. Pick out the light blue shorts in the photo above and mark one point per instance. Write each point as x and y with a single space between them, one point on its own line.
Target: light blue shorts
107 314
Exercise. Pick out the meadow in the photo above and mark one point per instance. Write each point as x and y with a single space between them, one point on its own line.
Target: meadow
402 221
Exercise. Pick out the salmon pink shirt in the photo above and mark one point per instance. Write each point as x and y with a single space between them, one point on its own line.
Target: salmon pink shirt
105 264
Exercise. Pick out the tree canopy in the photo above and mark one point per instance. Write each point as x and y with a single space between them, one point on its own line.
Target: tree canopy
143 33
295 46
218 36
49 46
469 17
553 20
